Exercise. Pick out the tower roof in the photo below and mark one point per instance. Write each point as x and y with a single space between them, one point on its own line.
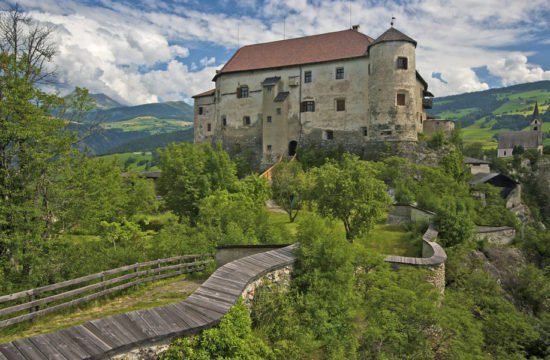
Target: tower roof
392 34
536 111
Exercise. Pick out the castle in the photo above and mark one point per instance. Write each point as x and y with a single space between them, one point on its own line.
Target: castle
341 88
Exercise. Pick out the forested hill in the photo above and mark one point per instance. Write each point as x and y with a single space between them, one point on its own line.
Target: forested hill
140 128
503 108
107 112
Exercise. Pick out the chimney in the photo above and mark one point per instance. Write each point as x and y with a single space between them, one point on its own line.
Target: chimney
355 27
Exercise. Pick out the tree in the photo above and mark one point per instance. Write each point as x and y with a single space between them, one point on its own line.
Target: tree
289 187
28 44
191 173
33 144
349 191
231 339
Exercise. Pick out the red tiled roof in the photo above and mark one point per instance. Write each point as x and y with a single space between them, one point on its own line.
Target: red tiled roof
206 93
338 45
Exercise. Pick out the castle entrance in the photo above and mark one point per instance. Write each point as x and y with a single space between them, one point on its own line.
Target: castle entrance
292 148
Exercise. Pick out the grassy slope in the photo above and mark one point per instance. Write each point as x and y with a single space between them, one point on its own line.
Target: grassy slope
146 296
520 101
383 239
121 159
150 124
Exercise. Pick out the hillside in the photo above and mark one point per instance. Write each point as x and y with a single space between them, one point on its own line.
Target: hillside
104 102
484 114
138 128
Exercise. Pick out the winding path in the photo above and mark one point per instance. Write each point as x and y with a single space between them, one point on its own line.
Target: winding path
109 336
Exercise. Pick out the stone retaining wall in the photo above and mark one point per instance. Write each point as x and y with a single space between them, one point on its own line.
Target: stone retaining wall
433 258
502 235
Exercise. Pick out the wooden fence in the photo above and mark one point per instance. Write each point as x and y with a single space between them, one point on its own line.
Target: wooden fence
30 304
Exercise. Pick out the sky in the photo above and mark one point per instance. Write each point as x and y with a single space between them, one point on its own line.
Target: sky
144 51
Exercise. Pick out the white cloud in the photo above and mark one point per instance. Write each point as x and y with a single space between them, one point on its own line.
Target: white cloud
457 80
514 69
119 47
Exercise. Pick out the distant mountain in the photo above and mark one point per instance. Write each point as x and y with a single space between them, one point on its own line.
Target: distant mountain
177 110
484 114
103 102
145 127
153 142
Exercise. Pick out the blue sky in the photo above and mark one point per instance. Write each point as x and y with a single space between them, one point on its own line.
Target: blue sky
143 51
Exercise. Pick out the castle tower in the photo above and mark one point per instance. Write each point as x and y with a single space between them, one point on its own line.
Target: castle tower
392 88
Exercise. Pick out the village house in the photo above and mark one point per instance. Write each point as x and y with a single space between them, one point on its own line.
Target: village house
531 139
336 89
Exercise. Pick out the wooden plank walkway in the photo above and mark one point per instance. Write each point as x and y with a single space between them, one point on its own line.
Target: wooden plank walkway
106 337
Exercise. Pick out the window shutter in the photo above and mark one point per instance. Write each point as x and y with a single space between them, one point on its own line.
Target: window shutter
238 93
313 106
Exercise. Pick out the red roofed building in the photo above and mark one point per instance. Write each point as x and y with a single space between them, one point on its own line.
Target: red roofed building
336 89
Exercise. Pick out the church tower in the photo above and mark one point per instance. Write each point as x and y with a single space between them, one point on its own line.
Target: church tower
536 123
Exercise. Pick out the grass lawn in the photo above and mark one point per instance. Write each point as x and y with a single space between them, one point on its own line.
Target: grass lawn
392 240
147 296
383 239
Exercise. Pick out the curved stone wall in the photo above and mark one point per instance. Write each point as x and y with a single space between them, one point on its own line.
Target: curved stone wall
433 258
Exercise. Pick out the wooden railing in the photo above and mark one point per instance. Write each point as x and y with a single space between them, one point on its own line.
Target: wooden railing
30 304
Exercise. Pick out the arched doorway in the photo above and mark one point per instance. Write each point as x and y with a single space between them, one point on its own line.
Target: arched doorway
292 148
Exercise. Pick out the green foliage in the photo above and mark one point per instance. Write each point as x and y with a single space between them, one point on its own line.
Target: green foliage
232 218
318 318
191 173
349 191
454 223
289 187
312 156
453 165
231 339
437 140
491 208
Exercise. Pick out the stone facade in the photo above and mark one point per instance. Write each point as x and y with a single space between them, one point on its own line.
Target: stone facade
431 126
361 103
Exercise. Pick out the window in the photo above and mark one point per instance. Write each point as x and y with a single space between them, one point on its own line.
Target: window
401 99
269 119
365 131
278 111
201 110
246 120
209 127
307 77
268 147
242 91
402 63
224 120
328 135
386 132
340 104
339 73
308 106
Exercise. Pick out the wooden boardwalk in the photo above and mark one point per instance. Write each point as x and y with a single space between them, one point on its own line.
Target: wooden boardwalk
106 337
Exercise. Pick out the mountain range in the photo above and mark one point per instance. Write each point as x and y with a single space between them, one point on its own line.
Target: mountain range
140 128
